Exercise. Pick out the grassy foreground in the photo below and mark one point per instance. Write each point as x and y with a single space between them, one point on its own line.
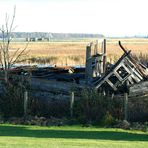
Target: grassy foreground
12 136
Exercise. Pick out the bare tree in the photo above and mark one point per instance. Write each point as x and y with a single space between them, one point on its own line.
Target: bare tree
7 60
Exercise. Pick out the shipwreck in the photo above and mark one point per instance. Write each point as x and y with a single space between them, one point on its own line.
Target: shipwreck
115 78
98 74
126 78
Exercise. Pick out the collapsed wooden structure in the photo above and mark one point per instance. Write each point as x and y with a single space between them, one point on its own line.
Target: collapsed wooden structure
50 83
119 77
97 73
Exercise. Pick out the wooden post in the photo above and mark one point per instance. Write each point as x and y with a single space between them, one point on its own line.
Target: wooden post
96 48
126 106
6 75
104 55
25 102
71 104
88 68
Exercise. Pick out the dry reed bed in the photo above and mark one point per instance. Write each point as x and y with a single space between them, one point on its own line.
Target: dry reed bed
73 53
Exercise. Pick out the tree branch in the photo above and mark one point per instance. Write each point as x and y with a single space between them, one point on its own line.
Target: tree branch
19 55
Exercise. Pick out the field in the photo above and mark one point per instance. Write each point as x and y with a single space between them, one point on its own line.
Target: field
16 136
73 52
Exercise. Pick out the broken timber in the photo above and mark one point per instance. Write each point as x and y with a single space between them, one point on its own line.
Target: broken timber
96 63
125 71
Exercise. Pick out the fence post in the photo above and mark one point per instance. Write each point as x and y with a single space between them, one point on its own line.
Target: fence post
71 104
126 106
25 102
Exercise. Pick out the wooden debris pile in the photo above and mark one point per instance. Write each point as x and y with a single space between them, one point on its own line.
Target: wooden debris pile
123 74
118 78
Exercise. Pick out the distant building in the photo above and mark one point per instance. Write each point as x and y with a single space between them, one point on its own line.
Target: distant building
31 39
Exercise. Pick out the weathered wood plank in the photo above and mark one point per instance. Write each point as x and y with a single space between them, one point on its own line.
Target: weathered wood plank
111 84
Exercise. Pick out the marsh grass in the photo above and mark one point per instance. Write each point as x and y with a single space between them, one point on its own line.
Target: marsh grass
73 53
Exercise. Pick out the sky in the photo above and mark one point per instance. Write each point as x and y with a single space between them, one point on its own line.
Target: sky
107 17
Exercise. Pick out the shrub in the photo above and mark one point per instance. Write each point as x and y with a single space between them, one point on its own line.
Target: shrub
49 107
108 119
12 97
92 108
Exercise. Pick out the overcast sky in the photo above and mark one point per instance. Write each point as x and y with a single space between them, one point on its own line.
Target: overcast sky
108 17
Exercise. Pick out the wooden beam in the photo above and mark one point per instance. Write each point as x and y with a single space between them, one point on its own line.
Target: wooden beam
111 84
104 55
118 76
88 66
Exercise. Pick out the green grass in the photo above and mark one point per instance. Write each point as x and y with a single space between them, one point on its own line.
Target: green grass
12 136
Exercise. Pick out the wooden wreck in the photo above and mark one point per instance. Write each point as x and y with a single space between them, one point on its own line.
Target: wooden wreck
119 77
96 74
